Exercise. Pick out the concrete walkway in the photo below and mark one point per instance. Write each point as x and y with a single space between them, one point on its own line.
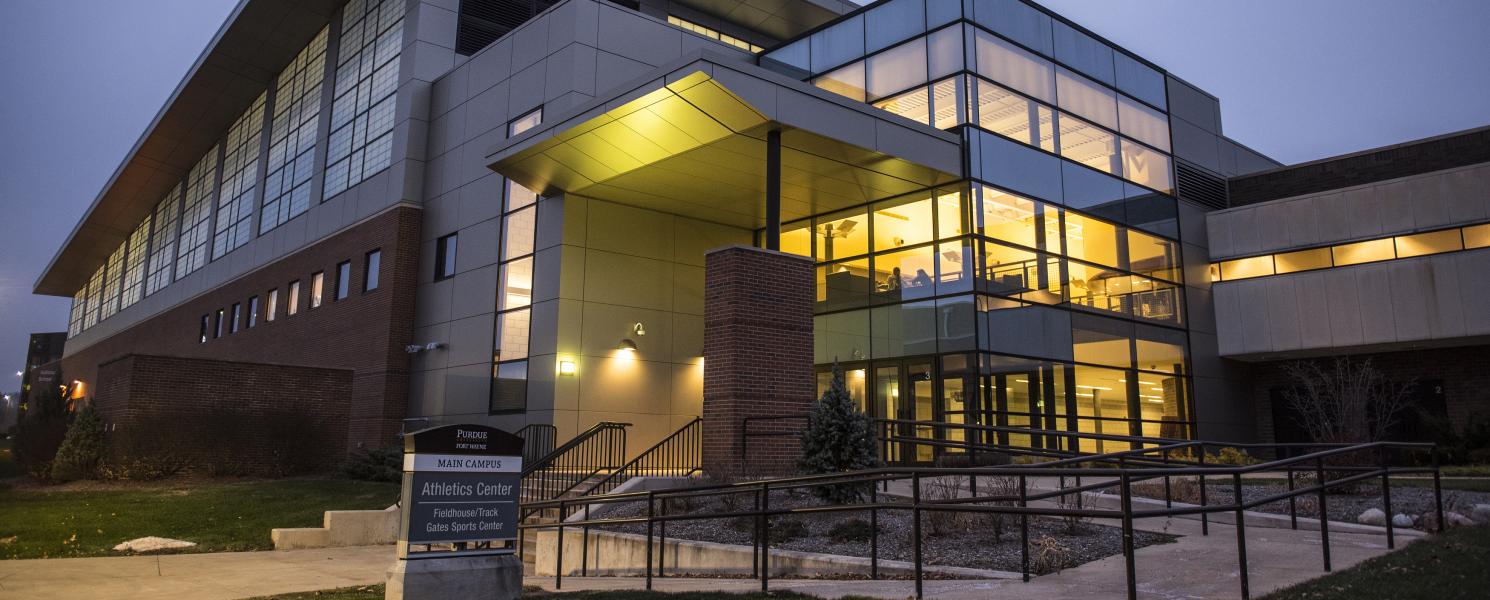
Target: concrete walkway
220 576
1195 566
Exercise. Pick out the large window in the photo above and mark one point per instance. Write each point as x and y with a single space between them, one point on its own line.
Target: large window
514 300
317 288
95 298
240 169
343 279
372 267
365 91
163 241
134 267
113 281
196 216
292 135
445 256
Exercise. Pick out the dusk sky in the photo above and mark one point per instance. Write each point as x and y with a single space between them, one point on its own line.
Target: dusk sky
1298 80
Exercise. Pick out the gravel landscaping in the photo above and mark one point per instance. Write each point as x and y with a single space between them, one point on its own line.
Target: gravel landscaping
1413 501
949 539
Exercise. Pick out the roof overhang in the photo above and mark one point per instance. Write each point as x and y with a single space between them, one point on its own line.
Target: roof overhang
777 18
692 142
255 43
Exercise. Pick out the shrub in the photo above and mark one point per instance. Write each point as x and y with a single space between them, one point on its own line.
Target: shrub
1049 555
1233 456
838 438
40 431
82 448
944 522
786 530
377 464
852 530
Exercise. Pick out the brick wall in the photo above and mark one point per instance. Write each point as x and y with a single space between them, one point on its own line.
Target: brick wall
363 334
1461 371
226 416
757 356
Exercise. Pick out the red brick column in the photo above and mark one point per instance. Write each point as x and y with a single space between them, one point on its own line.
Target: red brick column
757 356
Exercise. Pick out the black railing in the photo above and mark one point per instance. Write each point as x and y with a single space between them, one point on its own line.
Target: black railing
1331 468
538 441
597 451
677 455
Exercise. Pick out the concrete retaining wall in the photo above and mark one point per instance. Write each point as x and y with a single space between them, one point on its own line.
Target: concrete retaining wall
342 528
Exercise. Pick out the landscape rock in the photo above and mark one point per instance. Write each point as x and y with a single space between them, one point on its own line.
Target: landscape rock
1372 516
152 544
1402 521
1457 520
1481 513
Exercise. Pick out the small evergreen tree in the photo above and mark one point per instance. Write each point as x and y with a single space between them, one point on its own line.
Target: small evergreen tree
839 438
40 430
82 449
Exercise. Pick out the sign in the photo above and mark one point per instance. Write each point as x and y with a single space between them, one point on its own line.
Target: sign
461 485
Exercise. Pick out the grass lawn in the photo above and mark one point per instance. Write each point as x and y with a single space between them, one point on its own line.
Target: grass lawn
375 592
1442 567
89 519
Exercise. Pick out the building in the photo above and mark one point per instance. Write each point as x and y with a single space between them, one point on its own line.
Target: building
43 352
380 210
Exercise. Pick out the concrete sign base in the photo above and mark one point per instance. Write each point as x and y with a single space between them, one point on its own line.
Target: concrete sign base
465 577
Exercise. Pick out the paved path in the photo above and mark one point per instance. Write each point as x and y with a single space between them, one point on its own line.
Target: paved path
220 576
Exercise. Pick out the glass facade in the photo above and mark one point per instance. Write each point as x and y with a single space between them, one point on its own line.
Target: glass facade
509 391
292 135
365 91
240 170
1046 290
196 214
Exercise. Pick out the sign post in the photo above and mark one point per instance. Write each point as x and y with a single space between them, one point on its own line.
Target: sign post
458 527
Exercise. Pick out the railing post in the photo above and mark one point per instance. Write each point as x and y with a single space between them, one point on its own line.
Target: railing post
1293 511
1437 490
1324 512
662 542
559 555
651 501
1168 498
1024 531
1241 533
765 516
1205 517
584 547
755 538
1128 559
874 527
1386 495
916 525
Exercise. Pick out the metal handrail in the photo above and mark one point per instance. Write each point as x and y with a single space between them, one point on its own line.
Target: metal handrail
1121 477
677 455
599 449
538 441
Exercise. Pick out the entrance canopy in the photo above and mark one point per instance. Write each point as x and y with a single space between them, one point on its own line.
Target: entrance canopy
692 142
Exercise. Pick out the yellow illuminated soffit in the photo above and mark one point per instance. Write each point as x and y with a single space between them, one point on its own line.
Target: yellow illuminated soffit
685 115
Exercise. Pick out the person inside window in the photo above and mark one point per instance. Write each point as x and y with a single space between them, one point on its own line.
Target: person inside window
892 283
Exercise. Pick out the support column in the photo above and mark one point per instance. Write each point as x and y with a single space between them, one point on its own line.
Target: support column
757 358
773 189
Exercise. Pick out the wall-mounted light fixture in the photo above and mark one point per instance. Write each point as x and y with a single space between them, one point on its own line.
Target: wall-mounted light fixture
638 329
626 344
566 368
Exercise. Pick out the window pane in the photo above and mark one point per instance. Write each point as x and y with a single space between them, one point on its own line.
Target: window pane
1009 65
1303 260
1022 274
317 285
913 105
954 267
517 284
525 122
903 329
1153 256
947 102
843 234
271 309
898 68
517 233
1100 340
1362 252
893 21
1006 113
509 391
372 271
1092 240
951 214
1477 236
1429 243
1102 406
1159 349
840 336
1143 123
1083 97
843 285
796 238
1243 268
292 305
1084 52
838 44
512 335
1098 288
944 51
519 196
904 221
1157 301
1146 167
343 279
1139 80
847 81
1019 220
1088 145
905 275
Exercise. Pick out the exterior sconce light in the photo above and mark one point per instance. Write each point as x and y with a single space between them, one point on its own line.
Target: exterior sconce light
566 368
627 344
